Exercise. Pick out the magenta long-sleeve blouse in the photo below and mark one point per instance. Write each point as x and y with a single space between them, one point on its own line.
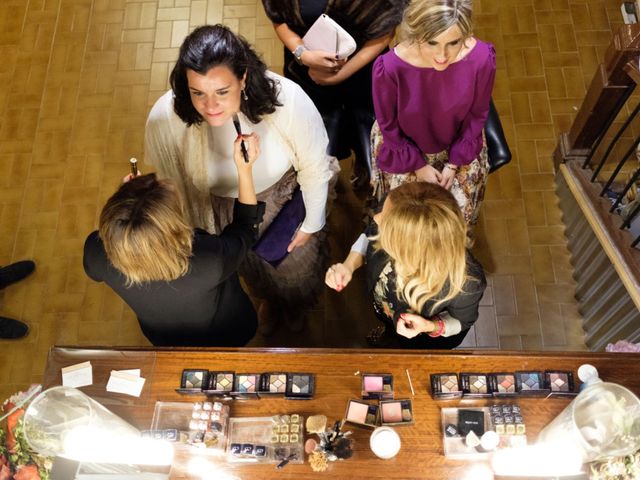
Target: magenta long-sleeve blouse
423 110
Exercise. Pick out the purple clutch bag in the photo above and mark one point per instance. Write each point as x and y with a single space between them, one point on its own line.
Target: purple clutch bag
272 245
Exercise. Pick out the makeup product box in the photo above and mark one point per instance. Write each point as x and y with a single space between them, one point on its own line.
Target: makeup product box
273 383
475 385
198 426
502 384
445 386
220 384
266 439
377 386
246 385
396 412
361 413
531 383
471 421
193 381
454 440
300 386
560 383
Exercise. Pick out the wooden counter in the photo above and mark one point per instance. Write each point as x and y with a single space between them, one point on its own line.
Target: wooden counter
337 381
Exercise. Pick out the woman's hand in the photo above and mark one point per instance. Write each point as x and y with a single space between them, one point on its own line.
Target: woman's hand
447 176
299 239
129 176
322 77
429 174
338 276
252 146
321 61
409 325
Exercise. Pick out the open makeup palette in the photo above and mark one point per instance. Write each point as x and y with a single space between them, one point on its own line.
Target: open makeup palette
227 384
502 384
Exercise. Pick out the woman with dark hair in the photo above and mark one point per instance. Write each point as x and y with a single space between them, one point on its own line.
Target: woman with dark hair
219 81
340 88
182 284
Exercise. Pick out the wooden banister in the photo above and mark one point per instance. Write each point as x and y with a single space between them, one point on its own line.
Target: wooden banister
611 85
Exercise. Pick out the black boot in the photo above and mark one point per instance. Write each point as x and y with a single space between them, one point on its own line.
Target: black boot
11 329
15 272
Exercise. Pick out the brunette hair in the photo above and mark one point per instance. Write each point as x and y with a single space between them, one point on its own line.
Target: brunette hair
426 19
144 233
212 45
424 233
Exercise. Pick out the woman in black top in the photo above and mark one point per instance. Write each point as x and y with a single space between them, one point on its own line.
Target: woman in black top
425 285
340 88
181 284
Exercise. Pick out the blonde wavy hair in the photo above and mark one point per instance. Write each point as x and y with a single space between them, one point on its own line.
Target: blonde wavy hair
424 233
426 19
144 233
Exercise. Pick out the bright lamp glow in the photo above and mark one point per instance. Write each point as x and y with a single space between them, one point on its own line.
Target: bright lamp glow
203 469
541 460
90 444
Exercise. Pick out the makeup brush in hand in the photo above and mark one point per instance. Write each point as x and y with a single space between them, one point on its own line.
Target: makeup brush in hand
236 123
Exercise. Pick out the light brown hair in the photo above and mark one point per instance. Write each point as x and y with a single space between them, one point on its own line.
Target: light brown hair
144 232
426 19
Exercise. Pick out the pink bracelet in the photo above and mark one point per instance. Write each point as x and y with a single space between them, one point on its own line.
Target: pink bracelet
440 330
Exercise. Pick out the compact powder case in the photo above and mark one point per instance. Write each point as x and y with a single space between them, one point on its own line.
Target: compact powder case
445 386
273 383
396 412
377 386
300 386
361 413
475 385
220 384
560 383
502 384
246 385
531 383
193 381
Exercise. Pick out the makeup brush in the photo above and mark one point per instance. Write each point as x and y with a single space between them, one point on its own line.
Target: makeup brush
134 166
236 124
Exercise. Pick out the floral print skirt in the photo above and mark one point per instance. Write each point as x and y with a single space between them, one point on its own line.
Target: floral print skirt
468 184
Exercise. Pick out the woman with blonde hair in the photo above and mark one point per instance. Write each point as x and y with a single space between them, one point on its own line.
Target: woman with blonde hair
182 284
422 277
431 95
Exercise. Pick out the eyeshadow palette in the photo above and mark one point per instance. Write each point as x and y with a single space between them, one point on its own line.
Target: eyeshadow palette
475 385
246 385
560 383
396 412
221 384
273 383
300 386
502 384
193 381
531 383
445 385
362 413
377 386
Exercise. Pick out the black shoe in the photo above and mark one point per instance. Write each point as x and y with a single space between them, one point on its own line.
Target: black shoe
10 328
15 272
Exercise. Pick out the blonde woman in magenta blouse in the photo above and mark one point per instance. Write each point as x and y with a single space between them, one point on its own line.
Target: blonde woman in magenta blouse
431 95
